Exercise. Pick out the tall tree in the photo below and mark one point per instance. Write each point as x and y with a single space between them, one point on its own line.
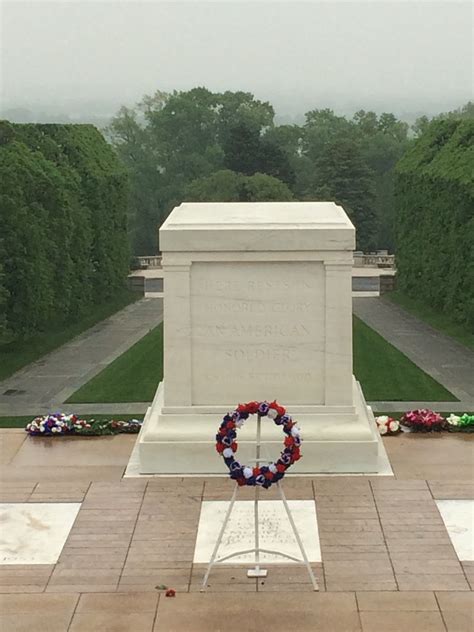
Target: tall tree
341 174
229 186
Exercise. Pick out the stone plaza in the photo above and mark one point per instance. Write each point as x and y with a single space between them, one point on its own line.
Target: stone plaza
96 531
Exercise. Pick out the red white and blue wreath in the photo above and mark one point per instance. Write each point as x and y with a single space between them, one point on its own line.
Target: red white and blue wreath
264 475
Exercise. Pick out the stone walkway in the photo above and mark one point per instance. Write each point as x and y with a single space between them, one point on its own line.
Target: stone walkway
446 360
46 383
387 560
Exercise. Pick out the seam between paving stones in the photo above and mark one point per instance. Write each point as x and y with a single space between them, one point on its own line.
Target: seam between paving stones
72 527
383 534
74 611
190 577
323 571
158 602
32 492
358 610
53 568
449 539
464 574
470 583
131 537
430 490
440 610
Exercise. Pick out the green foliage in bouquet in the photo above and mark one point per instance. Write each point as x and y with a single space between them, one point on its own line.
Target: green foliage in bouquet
110 427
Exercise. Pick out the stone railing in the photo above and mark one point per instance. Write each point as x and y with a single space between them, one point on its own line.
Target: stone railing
150 262
377 260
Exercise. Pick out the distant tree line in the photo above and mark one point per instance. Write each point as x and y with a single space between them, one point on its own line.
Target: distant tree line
435 217
198 145
63 225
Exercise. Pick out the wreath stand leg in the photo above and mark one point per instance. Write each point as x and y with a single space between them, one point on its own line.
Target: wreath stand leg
257 571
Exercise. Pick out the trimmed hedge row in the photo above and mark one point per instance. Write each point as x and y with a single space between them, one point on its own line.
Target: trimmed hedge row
63 227
435 219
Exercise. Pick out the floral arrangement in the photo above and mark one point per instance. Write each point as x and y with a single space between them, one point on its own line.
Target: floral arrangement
61 424
423 420
112 426
387 425
464 423
227 446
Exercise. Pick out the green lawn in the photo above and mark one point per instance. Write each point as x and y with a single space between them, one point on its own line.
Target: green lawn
384 372
20 422
435 318
17 354
133 377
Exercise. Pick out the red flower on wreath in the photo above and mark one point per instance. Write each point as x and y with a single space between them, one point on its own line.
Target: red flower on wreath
281 410
251 408
296 455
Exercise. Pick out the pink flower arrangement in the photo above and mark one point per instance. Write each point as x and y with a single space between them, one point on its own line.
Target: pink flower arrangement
423 420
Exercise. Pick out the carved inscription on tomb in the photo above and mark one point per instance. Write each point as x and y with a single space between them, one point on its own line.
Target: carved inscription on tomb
257 332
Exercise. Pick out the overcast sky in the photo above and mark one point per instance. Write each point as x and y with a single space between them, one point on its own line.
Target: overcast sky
377 55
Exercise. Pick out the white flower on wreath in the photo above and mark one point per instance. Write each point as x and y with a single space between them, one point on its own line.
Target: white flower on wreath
394 426
272 413
382 420
383 429
453 420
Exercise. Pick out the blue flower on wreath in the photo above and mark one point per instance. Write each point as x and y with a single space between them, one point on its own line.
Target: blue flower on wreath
263 408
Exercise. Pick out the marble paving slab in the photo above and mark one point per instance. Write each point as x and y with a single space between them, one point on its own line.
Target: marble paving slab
34 533
275 530
458 517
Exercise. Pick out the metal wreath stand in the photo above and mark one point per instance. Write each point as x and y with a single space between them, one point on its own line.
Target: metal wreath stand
257 571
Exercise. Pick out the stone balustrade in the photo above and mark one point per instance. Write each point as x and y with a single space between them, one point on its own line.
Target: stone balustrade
150 262
378 260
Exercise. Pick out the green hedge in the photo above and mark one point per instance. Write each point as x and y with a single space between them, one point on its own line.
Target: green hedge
63 204
435 219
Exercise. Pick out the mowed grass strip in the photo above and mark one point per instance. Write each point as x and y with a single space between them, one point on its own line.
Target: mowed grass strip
132 377
433 317
386 374
17 354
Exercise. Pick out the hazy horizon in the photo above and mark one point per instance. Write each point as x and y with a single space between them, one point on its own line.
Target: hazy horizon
91 57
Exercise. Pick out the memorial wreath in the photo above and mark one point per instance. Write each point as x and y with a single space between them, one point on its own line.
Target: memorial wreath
226 444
